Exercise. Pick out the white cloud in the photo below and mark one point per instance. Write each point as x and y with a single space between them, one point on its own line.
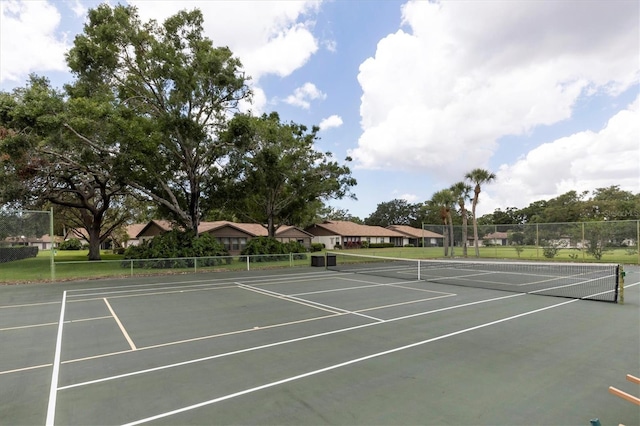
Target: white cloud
330 45
437 98
269 37
581 162
303 95
29 39
78 8
330 122
410 198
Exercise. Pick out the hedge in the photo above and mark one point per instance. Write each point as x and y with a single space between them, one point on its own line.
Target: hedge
9 254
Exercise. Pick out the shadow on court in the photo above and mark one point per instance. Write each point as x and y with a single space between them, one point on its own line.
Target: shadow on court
309 347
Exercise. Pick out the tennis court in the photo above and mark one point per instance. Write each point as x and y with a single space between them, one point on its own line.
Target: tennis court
309 346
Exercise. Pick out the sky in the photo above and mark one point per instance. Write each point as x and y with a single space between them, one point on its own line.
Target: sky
545 94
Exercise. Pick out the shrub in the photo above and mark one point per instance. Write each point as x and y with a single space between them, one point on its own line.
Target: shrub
9 254
265 249
381 245
71 244
519 249
177 244
317 247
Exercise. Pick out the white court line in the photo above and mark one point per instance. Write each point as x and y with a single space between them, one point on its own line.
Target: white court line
122 329
287 298
53 392
210 282
310 303
22 327
28 305
342 364
284 342
18 370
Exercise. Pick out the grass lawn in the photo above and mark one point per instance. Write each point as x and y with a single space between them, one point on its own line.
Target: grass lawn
73 265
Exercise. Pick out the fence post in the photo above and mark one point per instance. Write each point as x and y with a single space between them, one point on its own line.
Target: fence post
53 243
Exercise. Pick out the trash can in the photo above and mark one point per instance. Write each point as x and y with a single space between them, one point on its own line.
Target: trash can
317 260
331 260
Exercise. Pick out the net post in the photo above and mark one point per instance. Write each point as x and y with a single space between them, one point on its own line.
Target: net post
620 279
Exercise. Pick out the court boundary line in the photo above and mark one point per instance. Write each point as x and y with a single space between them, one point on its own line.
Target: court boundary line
309 303
26 305
342 364
53 392
122 329
210 281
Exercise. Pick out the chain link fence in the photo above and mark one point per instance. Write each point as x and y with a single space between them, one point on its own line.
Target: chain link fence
24 234
616 241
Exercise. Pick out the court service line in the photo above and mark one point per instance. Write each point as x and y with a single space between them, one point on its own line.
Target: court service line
53 392
22 327
287 298
210 282
149 292
18 370
25 305
122 329
49 324
342 364
284 342
311 303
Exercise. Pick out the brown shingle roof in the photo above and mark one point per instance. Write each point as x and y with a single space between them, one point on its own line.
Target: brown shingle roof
134 229
253 229
351 229
410 231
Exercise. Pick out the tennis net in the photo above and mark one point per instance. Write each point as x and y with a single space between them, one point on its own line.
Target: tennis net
593 281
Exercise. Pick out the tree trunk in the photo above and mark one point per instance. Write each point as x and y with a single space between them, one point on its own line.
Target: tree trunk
475 220
94 241
475 231
452 239
271 227
446 239
464 232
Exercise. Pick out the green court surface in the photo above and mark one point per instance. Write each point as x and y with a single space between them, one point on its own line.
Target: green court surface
307 346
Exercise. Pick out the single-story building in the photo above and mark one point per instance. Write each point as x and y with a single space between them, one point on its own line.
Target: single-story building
43 242
491 239
346 234
418 237
131 236
234 236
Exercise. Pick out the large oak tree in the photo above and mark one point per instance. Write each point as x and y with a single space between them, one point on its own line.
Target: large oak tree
179 90
61 148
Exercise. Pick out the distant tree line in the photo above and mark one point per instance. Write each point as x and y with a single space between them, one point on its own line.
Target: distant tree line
601 204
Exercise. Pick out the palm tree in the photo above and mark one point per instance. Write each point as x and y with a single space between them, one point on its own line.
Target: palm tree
462 191
445 200
478 177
